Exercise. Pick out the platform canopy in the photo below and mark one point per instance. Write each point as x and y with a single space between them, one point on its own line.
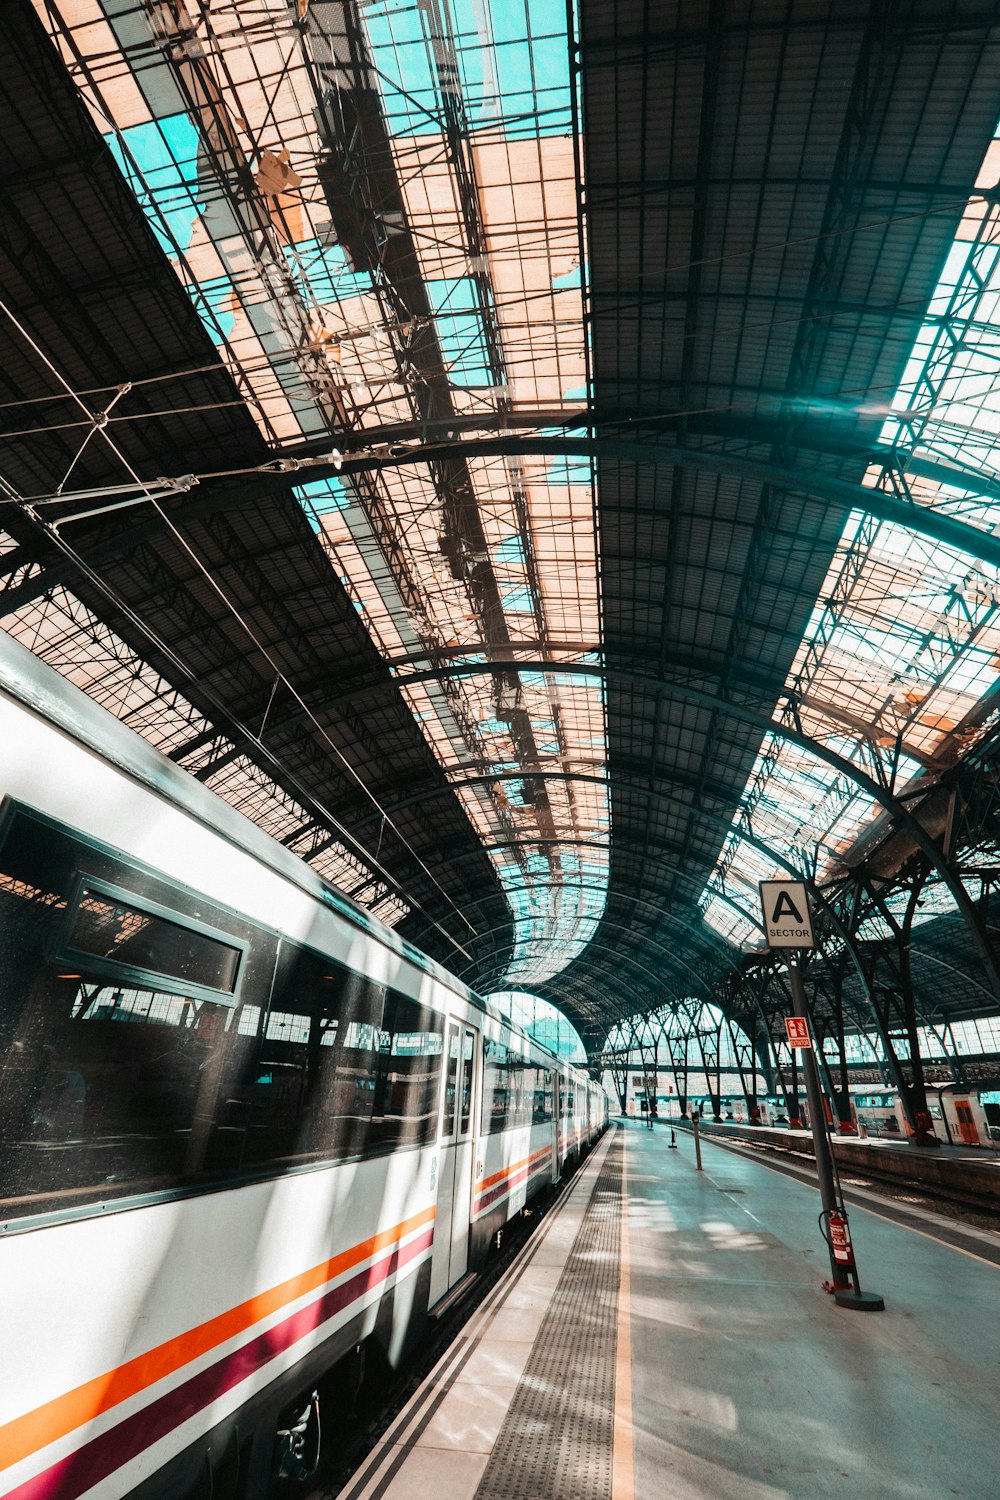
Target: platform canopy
536 459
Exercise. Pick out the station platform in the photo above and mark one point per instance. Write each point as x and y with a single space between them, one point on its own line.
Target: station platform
985 1155
665 1333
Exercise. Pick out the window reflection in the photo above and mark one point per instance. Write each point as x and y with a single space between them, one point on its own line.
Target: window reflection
113 1088
468 1057
515 1092
106 927
451 1086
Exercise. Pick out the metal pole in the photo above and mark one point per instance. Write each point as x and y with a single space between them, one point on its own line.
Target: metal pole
844 1293
697 1140
817 1114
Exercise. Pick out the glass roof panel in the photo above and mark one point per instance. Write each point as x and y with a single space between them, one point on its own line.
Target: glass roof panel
541 1019
905 643
374 210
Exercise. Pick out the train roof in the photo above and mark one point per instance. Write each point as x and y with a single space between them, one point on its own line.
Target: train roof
45 692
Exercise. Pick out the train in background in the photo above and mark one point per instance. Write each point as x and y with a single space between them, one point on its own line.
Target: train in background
251 1140
961 1115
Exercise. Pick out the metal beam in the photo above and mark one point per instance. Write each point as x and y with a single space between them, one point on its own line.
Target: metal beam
643 682
655 793
837 493
296 466
618 954
672 958
715 939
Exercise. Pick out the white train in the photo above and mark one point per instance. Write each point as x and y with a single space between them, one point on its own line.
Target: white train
247 1133
958 1115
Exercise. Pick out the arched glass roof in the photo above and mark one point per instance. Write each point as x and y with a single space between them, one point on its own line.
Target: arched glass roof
538 461
545 1023
438 278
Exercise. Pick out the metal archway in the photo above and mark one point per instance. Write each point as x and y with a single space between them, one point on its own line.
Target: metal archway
644 682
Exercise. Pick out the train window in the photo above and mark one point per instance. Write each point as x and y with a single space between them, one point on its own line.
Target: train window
311 1095
408 1077
123 942
113 1080
510 1089
495 1102
465 1096
347 1067
529 1078
451 1084
542 1110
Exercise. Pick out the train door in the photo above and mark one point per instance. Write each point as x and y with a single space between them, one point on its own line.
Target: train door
966 1122
456 1160
556 1122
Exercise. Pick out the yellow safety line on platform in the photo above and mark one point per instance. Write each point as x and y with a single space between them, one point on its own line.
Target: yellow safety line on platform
622 1460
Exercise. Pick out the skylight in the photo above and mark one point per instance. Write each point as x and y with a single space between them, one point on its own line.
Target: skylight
374 211
904 644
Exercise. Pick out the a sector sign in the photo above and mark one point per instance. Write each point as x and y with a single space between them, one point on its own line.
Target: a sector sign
787 919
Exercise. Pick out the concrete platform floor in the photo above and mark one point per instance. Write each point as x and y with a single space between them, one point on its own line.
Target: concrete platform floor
730 1372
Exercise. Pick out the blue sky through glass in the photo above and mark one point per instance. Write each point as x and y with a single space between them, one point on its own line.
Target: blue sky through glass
513 62
159 159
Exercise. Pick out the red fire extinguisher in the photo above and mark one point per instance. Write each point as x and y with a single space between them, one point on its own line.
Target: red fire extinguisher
840 1240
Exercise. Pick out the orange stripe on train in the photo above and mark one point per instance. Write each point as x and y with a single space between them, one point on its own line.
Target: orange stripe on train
36 1429
485 1182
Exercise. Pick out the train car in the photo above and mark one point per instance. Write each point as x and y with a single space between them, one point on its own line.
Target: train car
958 1115
962 1113
879 1114
249 1137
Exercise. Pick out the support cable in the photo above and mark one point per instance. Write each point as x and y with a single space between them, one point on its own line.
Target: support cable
64 546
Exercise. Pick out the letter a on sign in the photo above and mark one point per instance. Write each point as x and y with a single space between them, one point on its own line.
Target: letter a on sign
785 907
787 920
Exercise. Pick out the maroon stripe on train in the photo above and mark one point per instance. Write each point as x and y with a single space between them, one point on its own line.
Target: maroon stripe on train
79 1471
512 1182
508 1184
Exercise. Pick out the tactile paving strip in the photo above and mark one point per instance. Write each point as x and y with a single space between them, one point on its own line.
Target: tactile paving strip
556 1441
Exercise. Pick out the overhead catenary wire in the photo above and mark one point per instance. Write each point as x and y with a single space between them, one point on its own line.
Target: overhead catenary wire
786 320
70 552
263 753
59 26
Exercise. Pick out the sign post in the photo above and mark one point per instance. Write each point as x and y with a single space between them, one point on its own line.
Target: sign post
788 924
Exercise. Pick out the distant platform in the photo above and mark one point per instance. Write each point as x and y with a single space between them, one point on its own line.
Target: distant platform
666 1334
987 1153
970 1174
